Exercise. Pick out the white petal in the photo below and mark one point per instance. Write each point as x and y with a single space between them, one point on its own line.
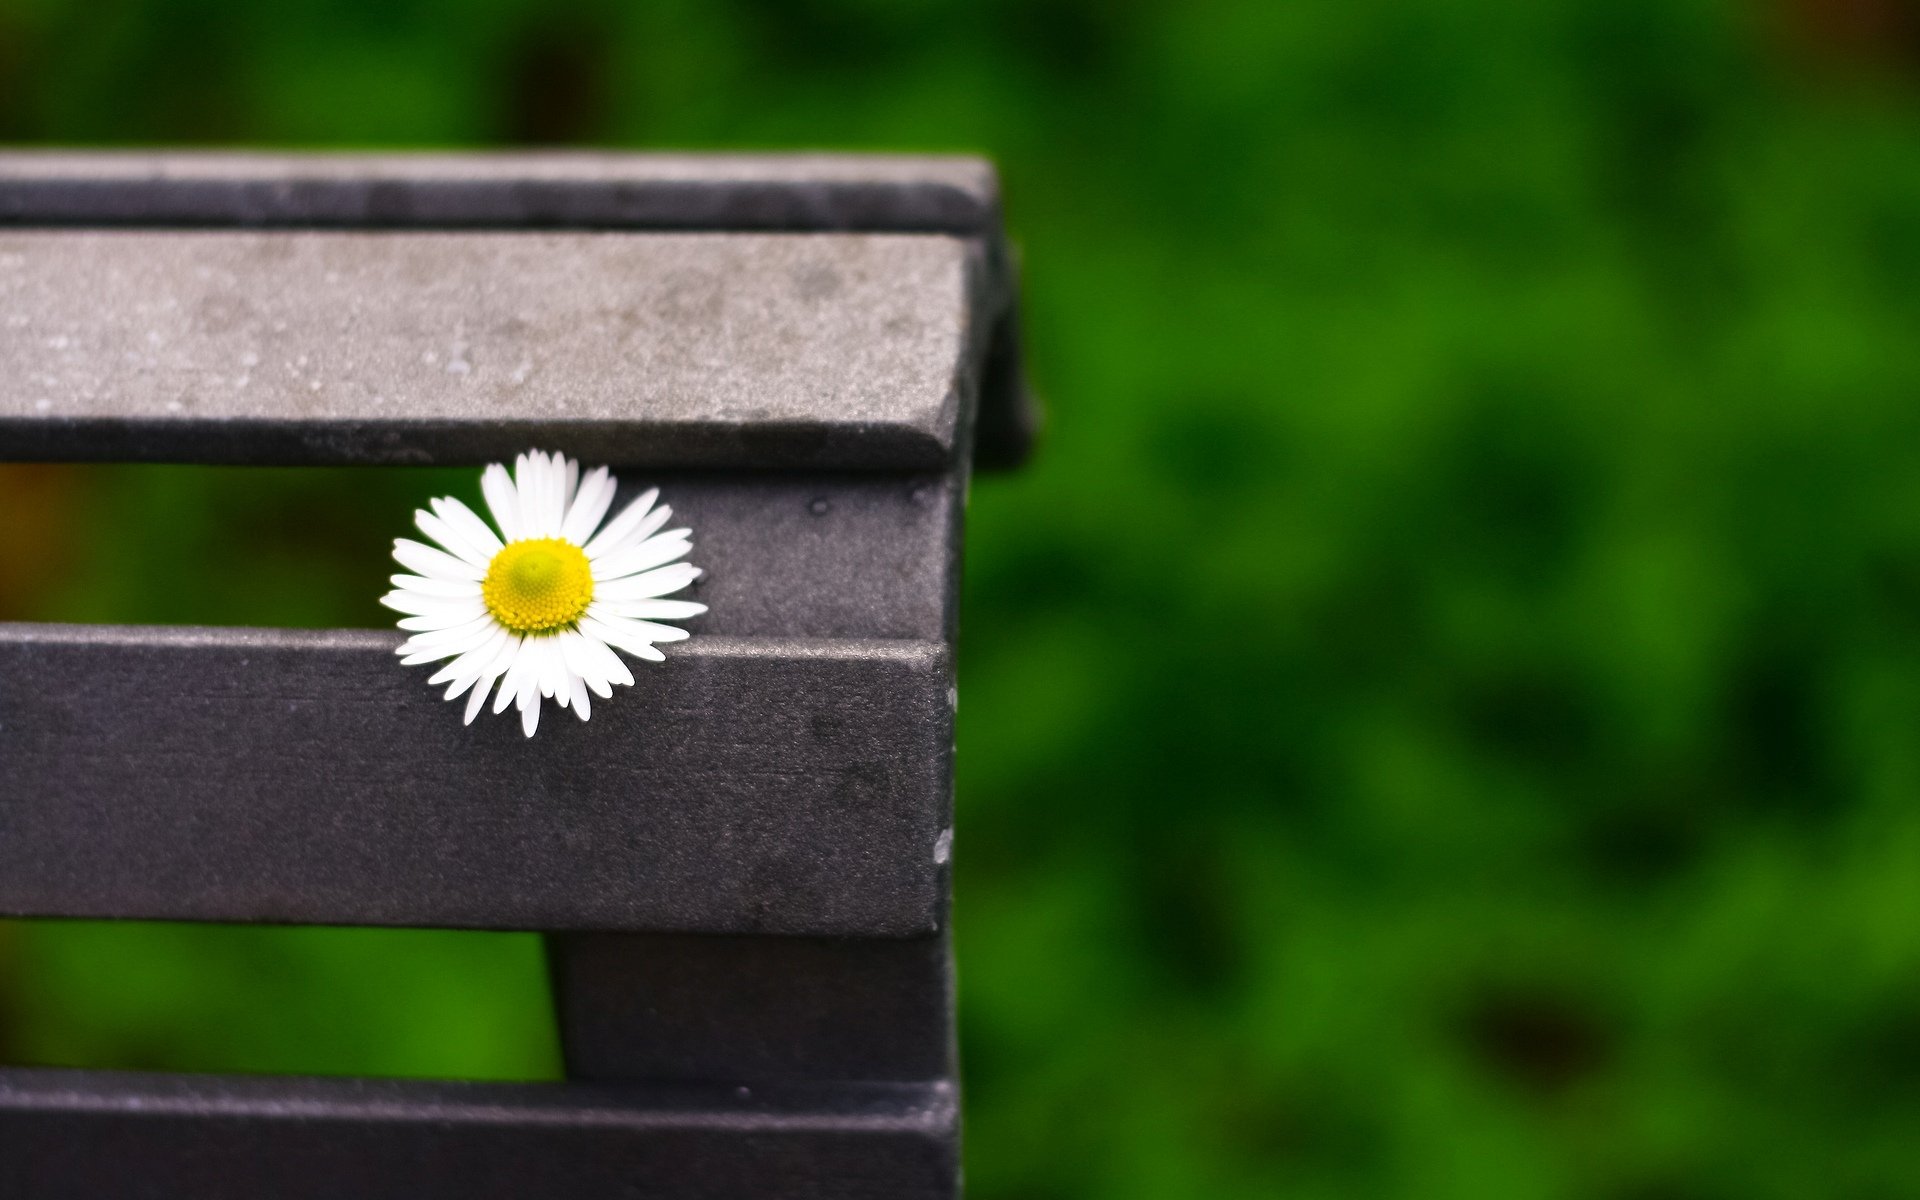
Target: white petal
553 675
573 482
647 630
455 542
464 589
420 604
557 673
472 665
525 468
423 559
529 481
589 505
433 624
661 582
553 493
510 686
511 689
534 655
635 559
478 700
612 666
503 501
503 658
624 524
527 700
607 667
637 535
452 644
470 640
653 610
638 647
454 623
468 522
580 661
504 696
582 706
530 475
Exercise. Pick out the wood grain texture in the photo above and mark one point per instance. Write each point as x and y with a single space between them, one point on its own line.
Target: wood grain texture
71 1135
744 786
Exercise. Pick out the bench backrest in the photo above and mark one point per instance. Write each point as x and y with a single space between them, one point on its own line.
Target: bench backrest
742 867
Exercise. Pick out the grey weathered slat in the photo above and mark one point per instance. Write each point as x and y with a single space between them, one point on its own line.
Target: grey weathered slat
735 1009
744 786
71 1135
740 351
852 555
797 192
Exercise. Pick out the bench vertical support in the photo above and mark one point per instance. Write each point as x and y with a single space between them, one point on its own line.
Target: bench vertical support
705 1008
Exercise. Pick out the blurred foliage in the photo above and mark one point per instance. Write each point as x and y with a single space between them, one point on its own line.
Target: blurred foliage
1439 711
301 1001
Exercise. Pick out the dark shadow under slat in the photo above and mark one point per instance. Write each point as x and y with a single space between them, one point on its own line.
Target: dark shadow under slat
776 192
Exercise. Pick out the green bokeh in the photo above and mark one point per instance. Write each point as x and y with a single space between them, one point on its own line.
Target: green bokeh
1440 711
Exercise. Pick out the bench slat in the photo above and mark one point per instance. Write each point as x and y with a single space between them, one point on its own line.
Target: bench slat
72 1134
695 350
744 786
861 555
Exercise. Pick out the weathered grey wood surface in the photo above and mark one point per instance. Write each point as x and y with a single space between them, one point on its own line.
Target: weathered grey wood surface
745 785
70 1135
659 349
797 554
799 192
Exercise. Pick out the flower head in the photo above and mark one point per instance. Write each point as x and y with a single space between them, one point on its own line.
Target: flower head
540 606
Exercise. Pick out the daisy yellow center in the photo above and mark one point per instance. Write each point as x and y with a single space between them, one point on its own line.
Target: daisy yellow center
540 585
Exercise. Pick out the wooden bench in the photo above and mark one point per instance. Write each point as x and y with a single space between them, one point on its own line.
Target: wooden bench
740 866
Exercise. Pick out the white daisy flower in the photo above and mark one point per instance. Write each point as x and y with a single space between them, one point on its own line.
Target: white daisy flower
540 606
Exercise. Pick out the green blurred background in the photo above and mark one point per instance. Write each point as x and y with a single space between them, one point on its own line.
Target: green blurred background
1440 711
